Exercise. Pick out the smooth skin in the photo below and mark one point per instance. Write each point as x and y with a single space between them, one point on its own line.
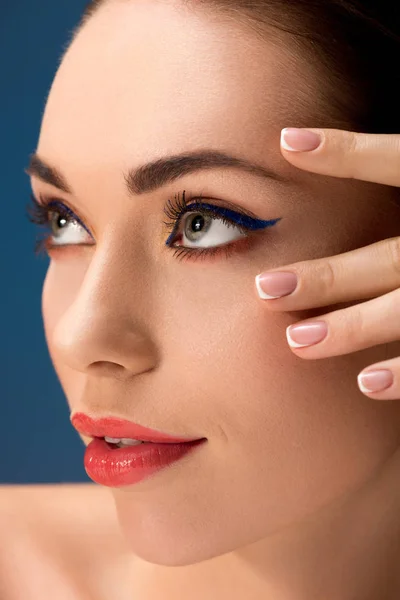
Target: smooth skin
295 496
371 272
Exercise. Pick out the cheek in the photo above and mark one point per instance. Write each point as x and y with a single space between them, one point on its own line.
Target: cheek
276 422
61 286
228 358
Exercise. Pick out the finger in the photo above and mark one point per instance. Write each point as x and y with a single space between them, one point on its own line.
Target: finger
365 156
381 381
349 329
359 274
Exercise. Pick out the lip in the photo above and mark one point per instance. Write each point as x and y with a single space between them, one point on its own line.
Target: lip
118 467
120 428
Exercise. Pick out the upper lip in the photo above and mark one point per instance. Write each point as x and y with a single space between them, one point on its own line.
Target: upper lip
120 428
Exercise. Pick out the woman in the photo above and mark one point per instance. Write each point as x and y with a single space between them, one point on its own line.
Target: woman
160 172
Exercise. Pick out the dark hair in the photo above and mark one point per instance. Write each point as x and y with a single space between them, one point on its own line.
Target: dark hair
356 43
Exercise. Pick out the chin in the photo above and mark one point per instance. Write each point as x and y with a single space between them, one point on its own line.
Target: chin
170 540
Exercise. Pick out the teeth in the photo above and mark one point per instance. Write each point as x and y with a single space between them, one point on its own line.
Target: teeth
128 442
122 441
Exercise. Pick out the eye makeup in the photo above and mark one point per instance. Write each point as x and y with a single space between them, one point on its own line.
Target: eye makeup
54 214
177 208
243 221
46 214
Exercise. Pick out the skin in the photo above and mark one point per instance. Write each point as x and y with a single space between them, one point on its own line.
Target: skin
289 497
370 273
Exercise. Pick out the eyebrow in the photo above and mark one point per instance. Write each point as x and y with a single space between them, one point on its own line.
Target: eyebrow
153 175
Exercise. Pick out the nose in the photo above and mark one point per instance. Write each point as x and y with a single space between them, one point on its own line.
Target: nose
105 330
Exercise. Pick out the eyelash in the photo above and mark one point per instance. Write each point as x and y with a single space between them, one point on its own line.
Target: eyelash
39 214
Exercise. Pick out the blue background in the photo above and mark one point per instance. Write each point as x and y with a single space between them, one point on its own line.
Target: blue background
39 445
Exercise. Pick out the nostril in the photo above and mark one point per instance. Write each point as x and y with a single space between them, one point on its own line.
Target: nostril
107 368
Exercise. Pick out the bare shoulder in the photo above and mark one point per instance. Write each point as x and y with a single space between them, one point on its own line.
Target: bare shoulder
67 533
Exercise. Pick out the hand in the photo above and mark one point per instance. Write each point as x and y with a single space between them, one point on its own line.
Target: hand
373 271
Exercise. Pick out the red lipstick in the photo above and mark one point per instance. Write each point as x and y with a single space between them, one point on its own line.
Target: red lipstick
112 466
119 428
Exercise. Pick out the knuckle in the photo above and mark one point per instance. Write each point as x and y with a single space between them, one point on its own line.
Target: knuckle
352 142
351 328
325 278
347 151
318 278
353 145
396 142
393 245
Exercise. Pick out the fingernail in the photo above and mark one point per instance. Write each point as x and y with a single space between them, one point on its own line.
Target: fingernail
275 285
375 381
299 336
299 140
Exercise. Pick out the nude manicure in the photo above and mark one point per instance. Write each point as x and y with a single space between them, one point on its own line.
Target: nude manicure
275 285
299 336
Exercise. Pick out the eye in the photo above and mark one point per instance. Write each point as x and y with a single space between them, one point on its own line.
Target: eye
199 230
64 227
65 230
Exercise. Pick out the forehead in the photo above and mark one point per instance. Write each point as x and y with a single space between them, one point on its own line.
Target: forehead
148 78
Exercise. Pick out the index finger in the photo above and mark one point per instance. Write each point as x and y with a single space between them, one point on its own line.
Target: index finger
365 156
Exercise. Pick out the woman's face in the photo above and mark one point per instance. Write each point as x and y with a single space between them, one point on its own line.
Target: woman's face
182 344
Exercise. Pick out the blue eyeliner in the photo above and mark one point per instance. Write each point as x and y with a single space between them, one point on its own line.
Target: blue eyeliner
236 218
239 219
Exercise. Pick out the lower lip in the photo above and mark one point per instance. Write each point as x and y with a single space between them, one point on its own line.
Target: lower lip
116 467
